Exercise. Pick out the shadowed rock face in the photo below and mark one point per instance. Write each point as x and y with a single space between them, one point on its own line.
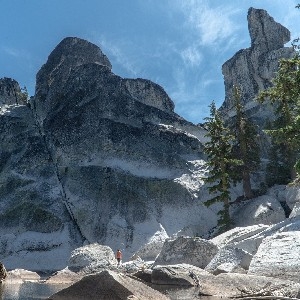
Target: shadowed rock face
99 158
252 69
10 92
116 144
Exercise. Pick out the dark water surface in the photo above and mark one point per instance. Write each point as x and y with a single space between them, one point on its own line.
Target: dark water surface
28 291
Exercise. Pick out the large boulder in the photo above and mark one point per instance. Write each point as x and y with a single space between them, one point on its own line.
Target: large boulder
92 258
108 285
229 260
238 235
278 256
153 247
197 282
194 251
261 210
179 275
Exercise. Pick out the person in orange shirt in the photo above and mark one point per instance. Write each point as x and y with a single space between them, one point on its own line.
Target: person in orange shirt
119 256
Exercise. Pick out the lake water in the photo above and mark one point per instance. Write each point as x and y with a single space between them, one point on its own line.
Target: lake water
28 291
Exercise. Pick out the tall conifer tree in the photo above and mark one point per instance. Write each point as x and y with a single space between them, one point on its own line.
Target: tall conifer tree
246 147
285 96
220 163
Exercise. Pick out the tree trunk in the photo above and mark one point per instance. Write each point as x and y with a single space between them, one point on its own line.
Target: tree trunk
247 185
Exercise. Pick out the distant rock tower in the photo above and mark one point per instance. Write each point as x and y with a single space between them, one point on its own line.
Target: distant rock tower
252 69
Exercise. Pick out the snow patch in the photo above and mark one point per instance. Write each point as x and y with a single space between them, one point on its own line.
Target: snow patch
194 180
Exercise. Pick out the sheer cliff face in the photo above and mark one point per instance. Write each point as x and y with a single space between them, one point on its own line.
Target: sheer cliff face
98 157
252 69
117 144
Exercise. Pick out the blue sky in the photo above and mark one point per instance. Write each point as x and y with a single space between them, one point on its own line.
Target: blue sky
179 44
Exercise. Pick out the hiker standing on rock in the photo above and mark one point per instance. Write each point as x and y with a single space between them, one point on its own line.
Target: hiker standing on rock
3 272
119 256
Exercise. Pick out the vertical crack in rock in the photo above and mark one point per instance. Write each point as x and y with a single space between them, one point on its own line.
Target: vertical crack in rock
62 189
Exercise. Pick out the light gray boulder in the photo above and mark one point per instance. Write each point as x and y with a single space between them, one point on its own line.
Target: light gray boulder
278 256
249 238
238 235
153 247
92 258
194 251
261 210
108 285
229 260
202 283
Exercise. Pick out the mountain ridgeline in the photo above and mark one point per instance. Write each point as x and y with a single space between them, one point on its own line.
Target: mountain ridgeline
93 157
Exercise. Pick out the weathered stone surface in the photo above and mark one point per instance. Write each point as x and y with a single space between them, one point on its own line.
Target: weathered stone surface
149 93
237 235
92 258
194 251
177 274
261 210
278 256
108 285
66 56
249 238
10 93
229 260
253 68
151 249
265 33
242 285
123 159
223 285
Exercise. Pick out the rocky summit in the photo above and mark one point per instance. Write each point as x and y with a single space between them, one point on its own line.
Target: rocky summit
96 158
252 69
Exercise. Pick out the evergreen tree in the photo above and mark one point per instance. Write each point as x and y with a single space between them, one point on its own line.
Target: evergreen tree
220 163
277 171
285 96
246 147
